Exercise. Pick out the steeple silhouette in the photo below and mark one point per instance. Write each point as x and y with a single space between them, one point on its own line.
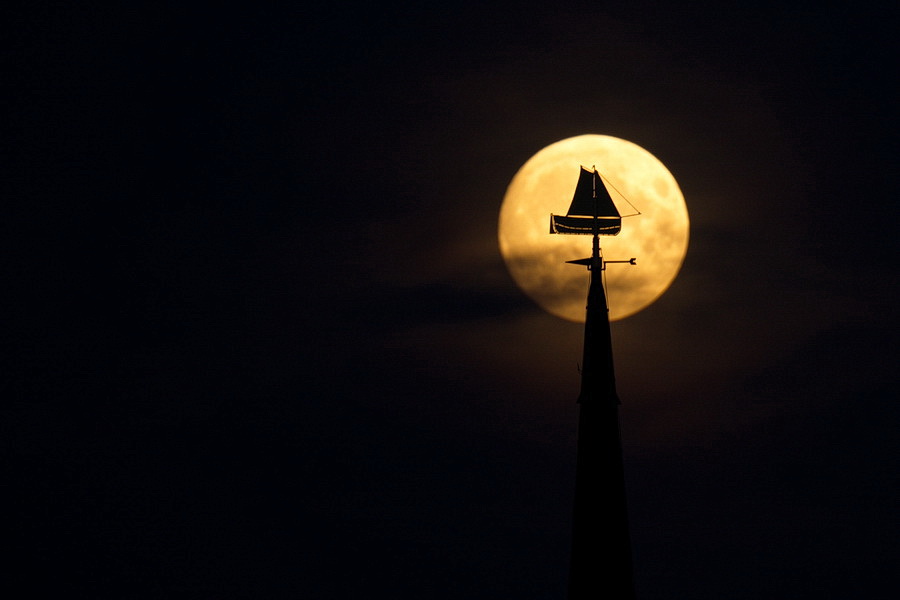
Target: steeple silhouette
601 561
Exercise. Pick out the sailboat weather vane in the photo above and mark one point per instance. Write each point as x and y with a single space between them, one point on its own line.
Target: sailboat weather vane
592 212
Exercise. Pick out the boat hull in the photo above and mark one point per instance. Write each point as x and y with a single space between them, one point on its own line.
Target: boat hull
578 225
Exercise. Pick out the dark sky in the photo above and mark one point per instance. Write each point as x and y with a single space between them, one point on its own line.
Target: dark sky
262 344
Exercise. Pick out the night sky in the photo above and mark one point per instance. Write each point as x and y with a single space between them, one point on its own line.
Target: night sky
261 342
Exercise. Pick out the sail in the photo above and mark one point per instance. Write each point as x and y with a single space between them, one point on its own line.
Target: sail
590 195
583 200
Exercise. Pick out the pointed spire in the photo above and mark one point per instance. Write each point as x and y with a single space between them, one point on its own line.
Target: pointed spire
601 558
598 377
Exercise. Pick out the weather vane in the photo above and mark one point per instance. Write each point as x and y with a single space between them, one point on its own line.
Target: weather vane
592 212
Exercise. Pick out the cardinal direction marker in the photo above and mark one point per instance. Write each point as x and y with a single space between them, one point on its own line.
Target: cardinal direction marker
601 561
587 262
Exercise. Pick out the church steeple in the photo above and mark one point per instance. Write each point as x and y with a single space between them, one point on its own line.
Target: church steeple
601 562
601 559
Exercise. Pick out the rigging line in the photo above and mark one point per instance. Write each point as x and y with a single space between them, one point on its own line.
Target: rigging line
622 195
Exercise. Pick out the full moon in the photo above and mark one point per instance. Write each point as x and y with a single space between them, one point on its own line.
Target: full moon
654 231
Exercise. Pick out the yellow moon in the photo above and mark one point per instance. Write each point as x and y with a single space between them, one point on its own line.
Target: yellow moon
637 182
